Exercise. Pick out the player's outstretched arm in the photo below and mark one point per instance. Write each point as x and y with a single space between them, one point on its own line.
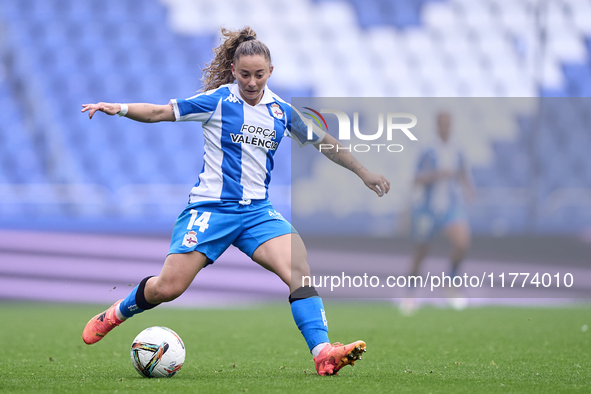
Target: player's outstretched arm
147 113
376 182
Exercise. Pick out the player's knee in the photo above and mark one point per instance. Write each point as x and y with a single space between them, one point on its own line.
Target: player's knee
463 246
168 293
459 252
300 269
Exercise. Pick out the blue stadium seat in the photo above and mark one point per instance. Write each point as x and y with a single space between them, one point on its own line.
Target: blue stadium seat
559 92
70 11
25 164
32 10
10 10
368 12
402 12
577 72
50 33
87 34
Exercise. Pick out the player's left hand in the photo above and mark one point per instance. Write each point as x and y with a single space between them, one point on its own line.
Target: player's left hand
108 108
376 182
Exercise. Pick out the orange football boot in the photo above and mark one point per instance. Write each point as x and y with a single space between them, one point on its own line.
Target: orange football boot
101 324
334 357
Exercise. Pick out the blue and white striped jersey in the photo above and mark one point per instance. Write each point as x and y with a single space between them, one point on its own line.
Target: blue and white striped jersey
240 141
443 194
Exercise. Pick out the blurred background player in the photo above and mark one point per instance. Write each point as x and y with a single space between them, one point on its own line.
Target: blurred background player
243 123
442 178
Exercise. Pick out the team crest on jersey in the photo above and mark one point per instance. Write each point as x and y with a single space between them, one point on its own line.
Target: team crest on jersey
190 239
232 98
276 111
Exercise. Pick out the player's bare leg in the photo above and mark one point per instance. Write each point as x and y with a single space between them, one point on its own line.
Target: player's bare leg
410 304
178 272
458 235
286 256
420 252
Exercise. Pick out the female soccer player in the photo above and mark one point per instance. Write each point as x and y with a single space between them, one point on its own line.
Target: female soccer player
243 123
441 173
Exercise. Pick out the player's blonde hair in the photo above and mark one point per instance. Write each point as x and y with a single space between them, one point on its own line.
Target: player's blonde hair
237 43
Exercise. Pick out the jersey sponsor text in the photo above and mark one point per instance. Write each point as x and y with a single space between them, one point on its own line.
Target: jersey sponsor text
258 130
246 139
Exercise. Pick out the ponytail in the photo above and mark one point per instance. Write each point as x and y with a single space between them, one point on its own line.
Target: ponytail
237 43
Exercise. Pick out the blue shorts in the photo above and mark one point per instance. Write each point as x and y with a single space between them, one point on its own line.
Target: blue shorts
210 227
426 223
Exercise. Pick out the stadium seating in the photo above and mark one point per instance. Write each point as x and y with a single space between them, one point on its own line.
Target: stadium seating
58 54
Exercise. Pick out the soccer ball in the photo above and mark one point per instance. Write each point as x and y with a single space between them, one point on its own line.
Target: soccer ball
157 352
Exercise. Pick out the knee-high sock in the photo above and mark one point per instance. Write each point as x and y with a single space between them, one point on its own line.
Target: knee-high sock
308 312
136 302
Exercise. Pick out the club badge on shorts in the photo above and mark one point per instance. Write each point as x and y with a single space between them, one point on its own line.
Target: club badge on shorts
276 111
190 239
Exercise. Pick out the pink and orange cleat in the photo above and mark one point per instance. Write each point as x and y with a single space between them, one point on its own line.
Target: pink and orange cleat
101 324
334 357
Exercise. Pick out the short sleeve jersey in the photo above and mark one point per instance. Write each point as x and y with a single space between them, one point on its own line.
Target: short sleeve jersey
240 141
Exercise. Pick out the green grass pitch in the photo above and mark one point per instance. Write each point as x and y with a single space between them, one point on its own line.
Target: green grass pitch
490 349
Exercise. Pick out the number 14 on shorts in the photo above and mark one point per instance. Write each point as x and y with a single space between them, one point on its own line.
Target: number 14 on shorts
201 222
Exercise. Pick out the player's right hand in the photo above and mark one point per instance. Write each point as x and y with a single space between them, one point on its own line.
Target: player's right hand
108 108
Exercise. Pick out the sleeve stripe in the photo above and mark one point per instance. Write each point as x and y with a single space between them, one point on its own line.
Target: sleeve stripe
175 107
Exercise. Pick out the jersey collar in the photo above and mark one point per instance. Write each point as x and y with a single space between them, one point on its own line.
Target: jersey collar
266 99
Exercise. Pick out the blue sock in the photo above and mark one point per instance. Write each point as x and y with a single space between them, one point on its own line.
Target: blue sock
309 316
128 306
135 302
